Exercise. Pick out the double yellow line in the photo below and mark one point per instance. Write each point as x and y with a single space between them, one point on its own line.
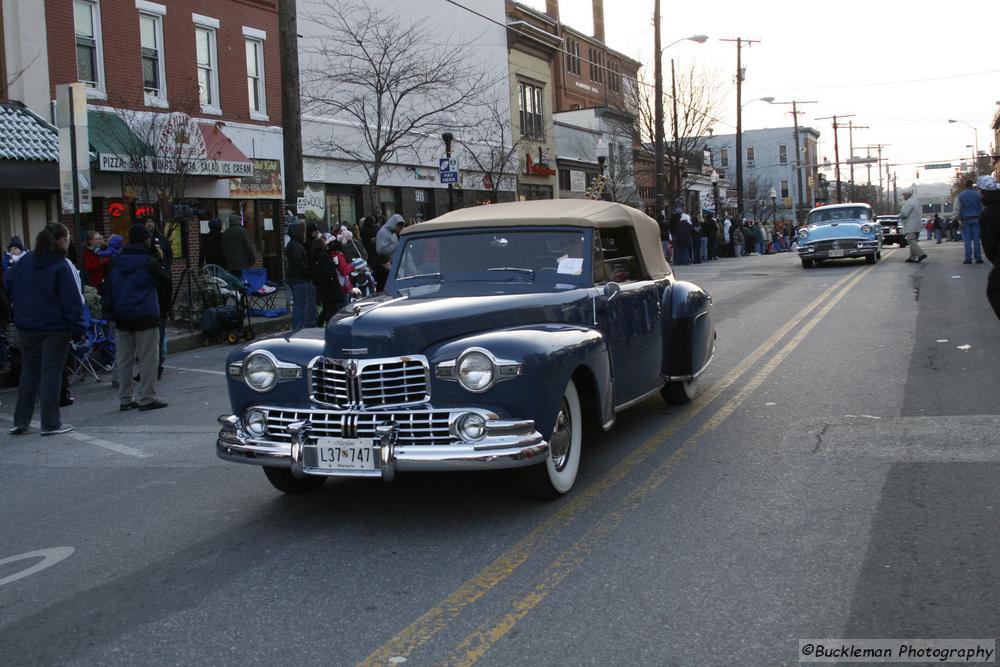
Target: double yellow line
475 645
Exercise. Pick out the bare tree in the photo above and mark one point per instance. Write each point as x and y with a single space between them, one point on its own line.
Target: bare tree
392 81
700 99
159 153
620 170
491 147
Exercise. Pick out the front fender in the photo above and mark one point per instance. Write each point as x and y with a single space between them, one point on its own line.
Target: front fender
689 333
549 354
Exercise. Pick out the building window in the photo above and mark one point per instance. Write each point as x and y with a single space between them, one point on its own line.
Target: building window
614 76
206 54
782 154
89 59
784 188
752 191
154 83
255 73
530 106
596 65
723 157
573 56
750 160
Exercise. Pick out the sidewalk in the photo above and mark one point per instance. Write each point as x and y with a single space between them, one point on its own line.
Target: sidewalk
181 336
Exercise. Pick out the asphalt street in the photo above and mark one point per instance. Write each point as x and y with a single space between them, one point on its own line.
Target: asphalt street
836 478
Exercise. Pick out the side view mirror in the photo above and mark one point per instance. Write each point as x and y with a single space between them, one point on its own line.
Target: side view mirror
611 290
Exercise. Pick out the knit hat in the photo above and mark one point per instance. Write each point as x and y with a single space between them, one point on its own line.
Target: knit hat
137 234
983 183
116 242
15 242
328 238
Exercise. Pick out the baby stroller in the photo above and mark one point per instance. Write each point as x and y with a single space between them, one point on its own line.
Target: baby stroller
362 278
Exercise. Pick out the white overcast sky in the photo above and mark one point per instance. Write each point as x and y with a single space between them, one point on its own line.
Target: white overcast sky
903 70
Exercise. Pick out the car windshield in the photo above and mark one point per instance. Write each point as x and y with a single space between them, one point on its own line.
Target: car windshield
827 215
513 256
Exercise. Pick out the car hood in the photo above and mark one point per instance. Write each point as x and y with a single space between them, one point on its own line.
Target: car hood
404 325
837 230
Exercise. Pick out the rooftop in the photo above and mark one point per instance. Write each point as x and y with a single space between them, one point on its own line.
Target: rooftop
26 136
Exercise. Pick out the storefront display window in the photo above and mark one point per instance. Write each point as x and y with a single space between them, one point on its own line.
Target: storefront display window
341 209
390 201
425 204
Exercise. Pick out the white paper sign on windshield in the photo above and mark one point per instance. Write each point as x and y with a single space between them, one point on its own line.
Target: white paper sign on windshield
571 265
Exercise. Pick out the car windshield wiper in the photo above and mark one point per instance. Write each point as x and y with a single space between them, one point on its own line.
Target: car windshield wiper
434 276
529 272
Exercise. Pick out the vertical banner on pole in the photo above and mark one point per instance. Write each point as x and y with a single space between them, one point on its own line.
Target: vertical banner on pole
74 147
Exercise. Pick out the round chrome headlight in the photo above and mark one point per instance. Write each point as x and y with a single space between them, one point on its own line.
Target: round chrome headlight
256 422
472 427
867 229
260 372
803 233
476 371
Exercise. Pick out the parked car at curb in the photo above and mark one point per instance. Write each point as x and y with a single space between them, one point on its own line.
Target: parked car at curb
503 333
839 231
892 232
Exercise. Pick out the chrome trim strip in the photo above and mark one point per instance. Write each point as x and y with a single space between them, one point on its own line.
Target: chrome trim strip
365 311
628 404
685 378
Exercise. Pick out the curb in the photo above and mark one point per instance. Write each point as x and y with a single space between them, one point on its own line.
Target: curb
183 340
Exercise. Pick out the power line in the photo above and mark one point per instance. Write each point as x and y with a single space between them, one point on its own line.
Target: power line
891 83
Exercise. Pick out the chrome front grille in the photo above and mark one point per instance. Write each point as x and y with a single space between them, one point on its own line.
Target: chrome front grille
841 244
370 383
418 427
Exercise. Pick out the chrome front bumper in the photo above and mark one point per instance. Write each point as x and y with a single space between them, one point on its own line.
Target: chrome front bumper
847 249
507 444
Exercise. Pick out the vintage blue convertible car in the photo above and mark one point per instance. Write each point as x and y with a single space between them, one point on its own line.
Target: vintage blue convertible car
504 331
838 231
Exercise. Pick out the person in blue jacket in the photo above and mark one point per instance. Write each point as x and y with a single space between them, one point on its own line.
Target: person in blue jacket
48 312
134 304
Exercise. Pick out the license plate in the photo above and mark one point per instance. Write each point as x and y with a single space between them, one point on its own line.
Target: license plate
836 253
345 454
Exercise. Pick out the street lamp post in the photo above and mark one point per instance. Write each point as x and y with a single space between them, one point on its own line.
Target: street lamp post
975 155
774 207
448 137
715 193
659 185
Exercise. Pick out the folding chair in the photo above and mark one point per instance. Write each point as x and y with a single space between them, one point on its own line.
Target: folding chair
219 285
261 293
96 353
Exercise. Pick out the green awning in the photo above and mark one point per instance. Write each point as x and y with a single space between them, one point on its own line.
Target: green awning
110 135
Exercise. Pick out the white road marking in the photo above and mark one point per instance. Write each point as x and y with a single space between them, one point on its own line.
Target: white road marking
49 558
942 340
76 435
964 347
195 370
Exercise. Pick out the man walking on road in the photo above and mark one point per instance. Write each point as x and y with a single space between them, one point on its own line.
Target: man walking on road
909 218
134 306
968 206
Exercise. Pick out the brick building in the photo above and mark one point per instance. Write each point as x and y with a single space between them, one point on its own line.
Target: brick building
184 93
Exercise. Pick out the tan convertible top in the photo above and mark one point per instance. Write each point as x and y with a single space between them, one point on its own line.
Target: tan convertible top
559 212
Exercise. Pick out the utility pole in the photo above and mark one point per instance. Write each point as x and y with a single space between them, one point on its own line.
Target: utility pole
798 150
878 199
836 153
895 189
658 121
740 41
850 133
677 151
291 102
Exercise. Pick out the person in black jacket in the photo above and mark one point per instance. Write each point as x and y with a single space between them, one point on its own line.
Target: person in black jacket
325 277
211 245
48 311
134 286
989 223
298 279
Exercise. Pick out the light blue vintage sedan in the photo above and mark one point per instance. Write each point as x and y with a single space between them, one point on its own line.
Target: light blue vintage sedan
840 231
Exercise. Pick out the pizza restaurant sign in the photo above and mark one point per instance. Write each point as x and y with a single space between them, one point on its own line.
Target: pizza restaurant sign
180 147
176 165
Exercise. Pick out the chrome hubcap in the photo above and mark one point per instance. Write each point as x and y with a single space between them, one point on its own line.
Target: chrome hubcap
561 441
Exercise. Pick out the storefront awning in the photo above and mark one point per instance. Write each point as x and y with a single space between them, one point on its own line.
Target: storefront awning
165 143
29 150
